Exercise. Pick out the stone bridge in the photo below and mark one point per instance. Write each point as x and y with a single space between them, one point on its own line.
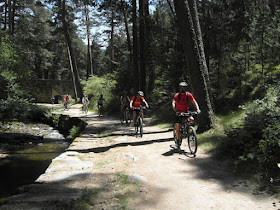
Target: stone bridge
44 90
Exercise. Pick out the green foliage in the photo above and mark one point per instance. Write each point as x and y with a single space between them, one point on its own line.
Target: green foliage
257 140
74 132
96 86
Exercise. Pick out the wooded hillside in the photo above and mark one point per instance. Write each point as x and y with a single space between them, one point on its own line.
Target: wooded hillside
145 45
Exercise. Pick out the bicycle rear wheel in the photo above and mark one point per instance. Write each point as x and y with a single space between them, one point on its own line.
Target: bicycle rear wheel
127 117
122 118
192 140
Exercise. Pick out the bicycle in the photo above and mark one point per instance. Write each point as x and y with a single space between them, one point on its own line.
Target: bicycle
125 116
85 108
187 131
100 110
66 105
139 121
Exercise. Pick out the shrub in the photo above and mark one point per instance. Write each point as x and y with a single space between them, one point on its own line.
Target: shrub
257 140
95 86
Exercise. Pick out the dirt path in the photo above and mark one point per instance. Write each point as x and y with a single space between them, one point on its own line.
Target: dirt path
168 180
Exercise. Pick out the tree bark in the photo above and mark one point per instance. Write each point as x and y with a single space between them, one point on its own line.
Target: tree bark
194 60
89 55
135 46
112 41
142 47
127 30
194 13
76 82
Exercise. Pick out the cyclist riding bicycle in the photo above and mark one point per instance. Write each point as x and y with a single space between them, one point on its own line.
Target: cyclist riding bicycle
136 102
124 101
66 101
85 101
180 104
100 101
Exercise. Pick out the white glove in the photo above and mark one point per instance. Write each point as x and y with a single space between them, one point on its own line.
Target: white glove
198 111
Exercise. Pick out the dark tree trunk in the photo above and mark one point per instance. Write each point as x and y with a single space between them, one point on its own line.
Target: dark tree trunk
195 18
129 73
89 55
150 69
76 80
127 30
135 46
194 61
142 47
5 15
112 41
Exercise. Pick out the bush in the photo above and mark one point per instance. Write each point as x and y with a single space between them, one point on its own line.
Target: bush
95 86
257 140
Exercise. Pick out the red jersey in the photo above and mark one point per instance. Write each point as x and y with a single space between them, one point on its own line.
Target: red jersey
67 98
137 101
183 104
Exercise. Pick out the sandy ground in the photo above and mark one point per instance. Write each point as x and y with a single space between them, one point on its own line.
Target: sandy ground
169 180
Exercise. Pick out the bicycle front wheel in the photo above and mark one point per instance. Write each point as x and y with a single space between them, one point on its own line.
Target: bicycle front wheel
192 140
141 127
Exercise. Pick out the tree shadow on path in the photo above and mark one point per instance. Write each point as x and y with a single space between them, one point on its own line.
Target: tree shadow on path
107 148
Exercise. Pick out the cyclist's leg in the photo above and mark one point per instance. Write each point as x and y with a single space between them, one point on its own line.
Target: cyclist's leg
134 117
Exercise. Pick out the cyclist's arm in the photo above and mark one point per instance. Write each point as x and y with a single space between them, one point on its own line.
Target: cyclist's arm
174 105
130 104
147 105
196 105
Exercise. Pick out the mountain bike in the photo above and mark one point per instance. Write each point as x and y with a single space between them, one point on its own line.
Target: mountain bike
187 131
66 105
85 108
100 110
125 116
139 121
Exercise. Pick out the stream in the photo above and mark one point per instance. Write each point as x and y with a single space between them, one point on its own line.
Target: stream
26 151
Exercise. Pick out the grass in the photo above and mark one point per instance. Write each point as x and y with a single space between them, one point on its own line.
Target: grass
216 142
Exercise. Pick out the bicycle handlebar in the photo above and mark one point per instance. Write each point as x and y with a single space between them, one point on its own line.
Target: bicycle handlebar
139 108
187 114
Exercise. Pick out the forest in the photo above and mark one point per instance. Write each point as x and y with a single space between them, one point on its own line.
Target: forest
227 50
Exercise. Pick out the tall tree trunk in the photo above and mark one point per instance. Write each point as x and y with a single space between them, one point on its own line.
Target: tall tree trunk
112 41
89 55
129 46
71 51
72 72
142 48
135 46
150 69
10 17
195 18
197 71
5 15
128 75
13 17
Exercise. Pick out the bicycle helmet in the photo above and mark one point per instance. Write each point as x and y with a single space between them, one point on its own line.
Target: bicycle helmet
183 84
141 93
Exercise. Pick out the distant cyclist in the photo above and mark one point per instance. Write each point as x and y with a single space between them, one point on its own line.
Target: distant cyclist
180 104
136 102
85 101
66 101
101 100
124 101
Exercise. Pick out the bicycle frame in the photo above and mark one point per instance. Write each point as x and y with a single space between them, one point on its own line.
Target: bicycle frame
187 131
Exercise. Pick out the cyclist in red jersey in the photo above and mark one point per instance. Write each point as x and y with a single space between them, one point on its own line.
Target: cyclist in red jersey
136 102
180 104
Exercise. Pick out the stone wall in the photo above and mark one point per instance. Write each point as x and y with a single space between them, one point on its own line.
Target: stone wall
43 90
